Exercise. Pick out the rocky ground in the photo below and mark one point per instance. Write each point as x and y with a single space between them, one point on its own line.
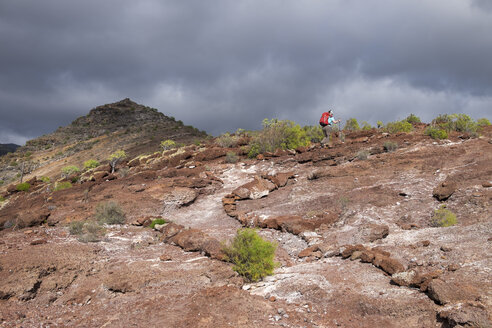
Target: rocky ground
356 247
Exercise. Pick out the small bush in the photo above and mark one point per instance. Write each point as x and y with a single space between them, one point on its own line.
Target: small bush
278 135
62 185
443 217
366 126
69 170
483 122
314 133
226 140
109 213
90 164
115 157
456 122
76 227
23 186
2 199
45 179
157 221
92 233
252 256
352 125
398 126
390 146
231 157
2 182
413 119
436 133
362 155
379 124
168 144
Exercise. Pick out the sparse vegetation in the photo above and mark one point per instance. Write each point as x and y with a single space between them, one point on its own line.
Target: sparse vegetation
23 186
398 126
366 126
157 221
76 227
2 182
483 122
45 179
314 133
227 140
436 133
443 217
110 213
69 170
2 199
379 124
231 157
413 119
91 164
278 135
252 256
62 185
115 158
362 155
390 146
168 144
352 125
91 233
456 122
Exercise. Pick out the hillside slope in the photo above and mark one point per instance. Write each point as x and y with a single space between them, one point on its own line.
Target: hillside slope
356 243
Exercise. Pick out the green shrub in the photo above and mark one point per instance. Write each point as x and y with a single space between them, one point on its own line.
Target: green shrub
231 157
69 170
62 185
90 164
362 155
253 257
352 125
483 122
436 133
76 227
2 182
390 146
379 124
398 126
412 119
443 217
168 144
456 122
45 179
278 135
110 213
366 126
157 221
226 140
23 186
2 199
314 133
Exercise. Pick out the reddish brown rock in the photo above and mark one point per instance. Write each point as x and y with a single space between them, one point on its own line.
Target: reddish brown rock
309 251
388 264
409 278
255 189
466 315
189 239
372 232
210 154
349 249
444 190
280 179
38 241
170 230
451 292
165 257
99 175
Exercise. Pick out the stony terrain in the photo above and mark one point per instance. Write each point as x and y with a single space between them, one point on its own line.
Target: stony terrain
356 247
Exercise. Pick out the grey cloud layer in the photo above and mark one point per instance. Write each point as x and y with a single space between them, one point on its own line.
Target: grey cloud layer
221 65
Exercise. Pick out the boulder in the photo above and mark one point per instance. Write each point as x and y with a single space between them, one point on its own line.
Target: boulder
451 292
372 232
170 230
444 190
465 315
310 251
279 179
410 278
189 240
349 249
255 189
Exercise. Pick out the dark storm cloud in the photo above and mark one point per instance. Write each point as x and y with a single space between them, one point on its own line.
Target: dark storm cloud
221 65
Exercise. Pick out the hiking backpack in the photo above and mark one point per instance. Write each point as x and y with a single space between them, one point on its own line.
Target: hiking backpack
323 121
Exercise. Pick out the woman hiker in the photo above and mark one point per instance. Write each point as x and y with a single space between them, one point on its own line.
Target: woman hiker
327 123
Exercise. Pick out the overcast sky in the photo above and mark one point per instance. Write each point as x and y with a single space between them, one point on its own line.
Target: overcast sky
221 65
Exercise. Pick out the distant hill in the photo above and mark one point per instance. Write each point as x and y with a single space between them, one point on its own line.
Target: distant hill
125 125
7 148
